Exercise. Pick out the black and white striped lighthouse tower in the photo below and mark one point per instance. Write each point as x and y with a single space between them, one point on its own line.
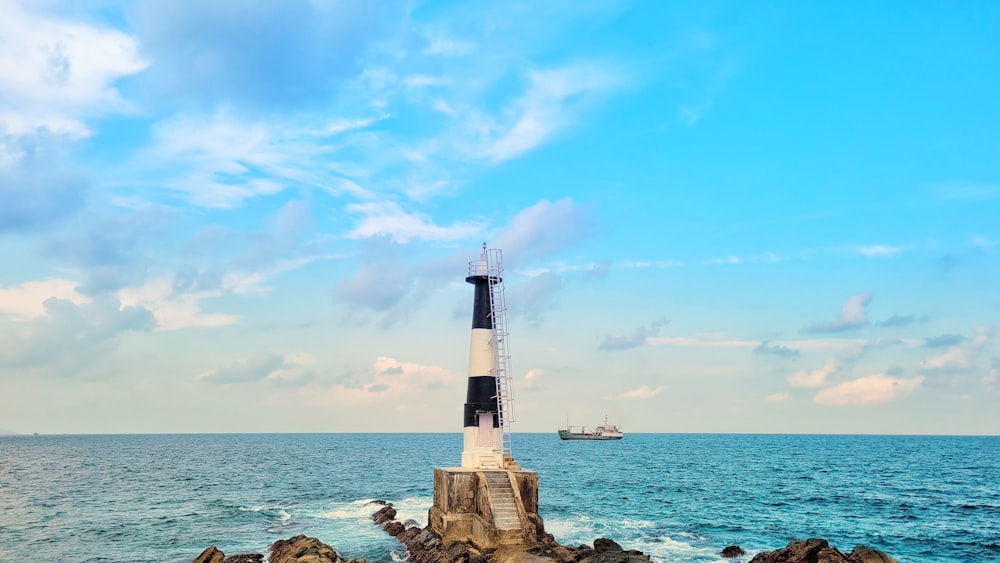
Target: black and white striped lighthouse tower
488 404
490 500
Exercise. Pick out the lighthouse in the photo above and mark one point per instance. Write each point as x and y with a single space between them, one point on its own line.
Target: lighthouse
490 500
489 405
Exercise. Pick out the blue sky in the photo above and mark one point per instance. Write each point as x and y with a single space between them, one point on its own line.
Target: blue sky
715 217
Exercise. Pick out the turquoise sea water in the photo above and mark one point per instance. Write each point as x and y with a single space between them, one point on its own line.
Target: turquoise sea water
679 497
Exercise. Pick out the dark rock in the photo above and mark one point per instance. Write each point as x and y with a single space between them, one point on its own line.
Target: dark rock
384 515
301 549
731 551
210 555
394 528
382 502
245 558
604 544
805 551
816 550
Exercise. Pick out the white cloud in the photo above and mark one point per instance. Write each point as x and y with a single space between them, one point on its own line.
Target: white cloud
26 301
871 390
337 126
952 359
777 398
815 378
546 227
732 259
388 218
174 310
644 392
70 336
394 378
878 250
962 356
447 46
54 73
531 381
548 105
853 314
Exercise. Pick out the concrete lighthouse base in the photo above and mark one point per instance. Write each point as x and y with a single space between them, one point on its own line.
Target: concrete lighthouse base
488 508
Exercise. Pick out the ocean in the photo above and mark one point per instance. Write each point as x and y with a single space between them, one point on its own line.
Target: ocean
678 497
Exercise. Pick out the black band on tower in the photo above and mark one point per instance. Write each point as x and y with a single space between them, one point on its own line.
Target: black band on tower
481 312
481 397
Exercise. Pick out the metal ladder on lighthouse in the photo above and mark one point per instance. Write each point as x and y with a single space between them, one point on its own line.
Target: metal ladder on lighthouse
501 357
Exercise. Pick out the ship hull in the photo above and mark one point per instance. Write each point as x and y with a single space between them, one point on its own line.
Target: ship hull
567 435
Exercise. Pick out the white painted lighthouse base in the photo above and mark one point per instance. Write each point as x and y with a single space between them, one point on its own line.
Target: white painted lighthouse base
475 506
482 447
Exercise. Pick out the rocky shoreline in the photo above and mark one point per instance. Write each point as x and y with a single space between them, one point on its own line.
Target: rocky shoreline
425 546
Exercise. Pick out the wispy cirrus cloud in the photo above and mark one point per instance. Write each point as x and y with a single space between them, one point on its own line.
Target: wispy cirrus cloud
878 250
733 259
870 390
551 102
389 219
853 315
638 394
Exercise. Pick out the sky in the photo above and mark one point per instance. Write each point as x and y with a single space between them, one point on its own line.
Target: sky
748 217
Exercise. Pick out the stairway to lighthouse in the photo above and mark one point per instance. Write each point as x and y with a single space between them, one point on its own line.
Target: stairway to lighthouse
506 517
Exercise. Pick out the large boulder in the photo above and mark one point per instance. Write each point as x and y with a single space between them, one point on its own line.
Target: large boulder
211 554
816 550
302 549
385 514
733 551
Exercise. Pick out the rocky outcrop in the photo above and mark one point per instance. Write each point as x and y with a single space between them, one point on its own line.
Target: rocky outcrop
302 549
816 550
425 546
604 551
298 549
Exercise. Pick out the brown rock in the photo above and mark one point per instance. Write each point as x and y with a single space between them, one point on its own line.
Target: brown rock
210 555
386 514
802 551
301 549
865 554
245 558
394 528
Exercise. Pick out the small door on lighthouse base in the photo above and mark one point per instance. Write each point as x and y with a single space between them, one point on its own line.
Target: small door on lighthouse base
486 429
